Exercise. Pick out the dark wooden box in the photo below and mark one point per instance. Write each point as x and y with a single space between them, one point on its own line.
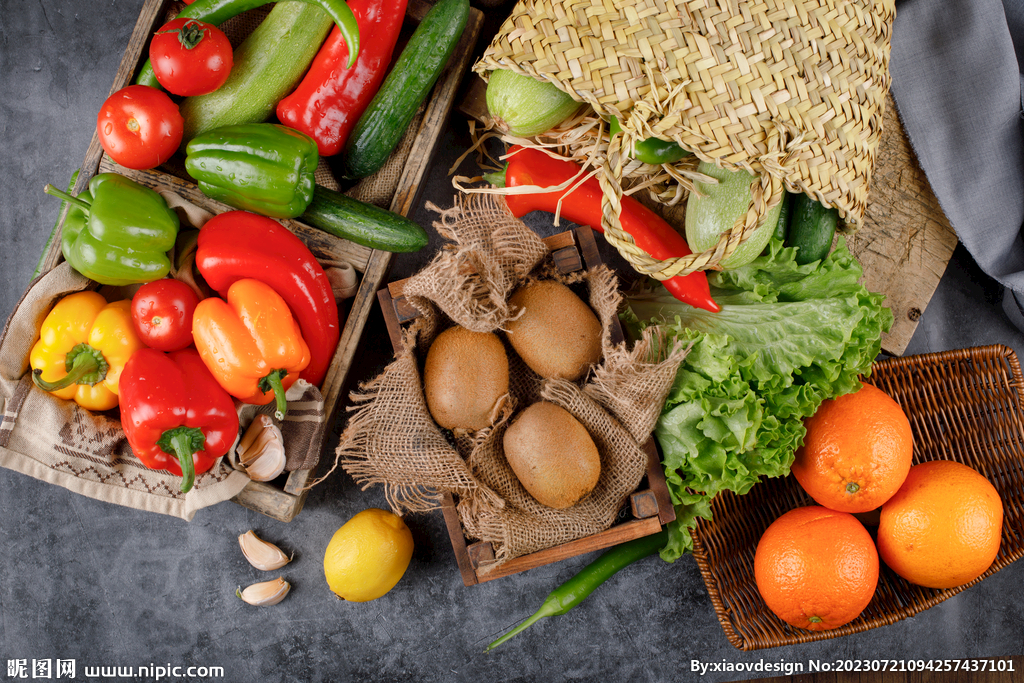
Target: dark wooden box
650 507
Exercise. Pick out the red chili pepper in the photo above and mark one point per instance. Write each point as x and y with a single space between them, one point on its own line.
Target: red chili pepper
331 98
582 206
237 245
175 415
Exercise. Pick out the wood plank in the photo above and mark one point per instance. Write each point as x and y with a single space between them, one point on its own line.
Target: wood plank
567 260
643 504
620 533
270 501
391 321
656 482
906 241
454 526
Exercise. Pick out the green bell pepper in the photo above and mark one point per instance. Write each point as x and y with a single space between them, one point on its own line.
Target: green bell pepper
265 168
117 232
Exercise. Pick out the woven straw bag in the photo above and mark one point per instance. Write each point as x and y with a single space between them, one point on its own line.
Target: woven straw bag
792 91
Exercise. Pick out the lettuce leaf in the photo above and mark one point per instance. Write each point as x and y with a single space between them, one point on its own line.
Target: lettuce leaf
787 338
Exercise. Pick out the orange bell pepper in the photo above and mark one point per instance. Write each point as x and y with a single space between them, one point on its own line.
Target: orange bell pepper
251 343
83 345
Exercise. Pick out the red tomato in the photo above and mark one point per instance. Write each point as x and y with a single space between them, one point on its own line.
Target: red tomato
190 57
162 314
139 126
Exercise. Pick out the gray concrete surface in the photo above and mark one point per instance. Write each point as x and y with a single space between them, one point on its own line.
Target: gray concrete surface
107 586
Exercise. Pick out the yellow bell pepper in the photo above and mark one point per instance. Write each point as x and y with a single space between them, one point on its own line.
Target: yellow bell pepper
83 345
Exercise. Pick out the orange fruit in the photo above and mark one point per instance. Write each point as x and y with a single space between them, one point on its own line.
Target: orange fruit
816 568
857 451
942 528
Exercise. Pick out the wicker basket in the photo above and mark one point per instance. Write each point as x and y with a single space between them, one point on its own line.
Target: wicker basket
963 405
790 90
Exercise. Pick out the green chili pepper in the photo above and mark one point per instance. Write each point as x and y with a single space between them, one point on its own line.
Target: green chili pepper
782 225
652 150
265 168
117 232
218 11
575 590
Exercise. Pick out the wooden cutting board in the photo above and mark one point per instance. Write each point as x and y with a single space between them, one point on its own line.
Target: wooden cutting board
906 240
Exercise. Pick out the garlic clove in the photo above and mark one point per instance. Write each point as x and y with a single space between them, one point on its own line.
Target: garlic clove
261 449
262 554
265 593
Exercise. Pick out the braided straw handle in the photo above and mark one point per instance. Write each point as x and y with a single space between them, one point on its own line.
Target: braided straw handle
766 184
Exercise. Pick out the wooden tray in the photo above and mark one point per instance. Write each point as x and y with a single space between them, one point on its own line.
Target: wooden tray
905 243
966 406
285 502
650 508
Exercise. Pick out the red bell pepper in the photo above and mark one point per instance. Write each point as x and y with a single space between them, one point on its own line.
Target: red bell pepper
331 98
175 415
239 245
582 205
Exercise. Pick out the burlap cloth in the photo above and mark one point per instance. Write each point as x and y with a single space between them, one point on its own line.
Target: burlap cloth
57 441
391 439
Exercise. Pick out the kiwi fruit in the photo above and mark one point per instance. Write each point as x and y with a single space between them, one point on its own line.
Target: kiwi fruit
552 455
557 334
465 378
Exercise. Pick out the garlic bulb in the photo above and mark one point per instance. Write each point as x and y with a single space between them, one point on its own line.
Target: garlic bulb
265 593
262 554
261 449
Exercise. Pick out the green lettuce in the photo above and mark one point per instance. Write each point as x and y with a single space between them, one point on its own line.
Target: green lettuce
787 337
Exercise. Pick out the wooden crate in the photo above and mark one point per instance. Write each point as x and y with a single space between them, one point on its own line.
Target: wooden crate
276 501
650 507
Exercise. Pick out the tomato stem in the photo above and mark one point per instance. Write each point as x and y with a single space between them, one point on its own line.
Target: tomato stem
190 34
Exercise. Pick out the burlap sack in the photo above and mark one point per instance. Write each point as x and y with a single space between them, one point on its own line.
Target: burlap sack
392 440
56 441
791 90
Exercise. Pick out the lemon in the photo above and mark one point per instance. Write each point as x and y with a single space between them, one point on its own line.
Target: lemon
368 555
716 209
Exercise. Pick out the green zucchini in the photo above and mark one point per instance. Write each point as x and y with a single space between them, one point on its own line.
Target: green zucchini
386 118
523 106
811 229
782 226
716 207
267 66
365 224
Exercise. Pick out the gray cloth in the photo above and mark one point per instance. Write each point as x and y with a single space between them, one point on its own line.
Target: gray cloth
957 82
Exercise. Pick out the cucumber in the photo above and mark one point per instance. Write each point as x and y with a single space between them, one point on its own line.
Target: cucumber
782 226
811 229
267 66
717 208
386 118
523 106
365 224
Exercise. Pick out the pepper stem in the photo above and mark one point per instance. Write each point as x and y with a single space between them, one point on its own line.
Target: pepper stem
55 192
497 178
84 365
272 382
184 442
